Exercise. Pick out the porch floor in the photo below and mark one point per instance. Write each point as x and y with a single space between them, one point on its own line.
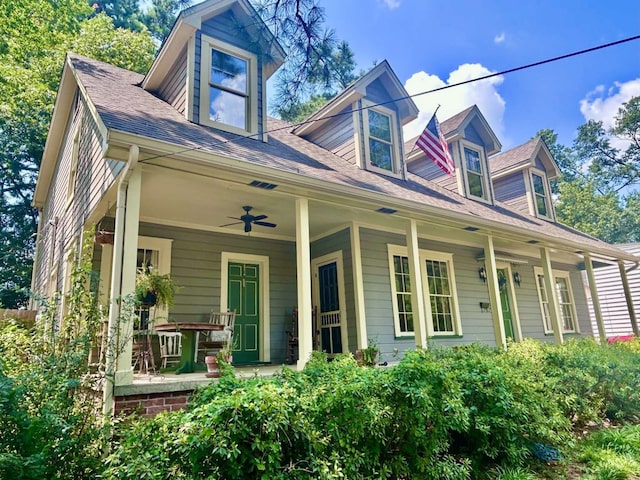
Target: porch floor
170 382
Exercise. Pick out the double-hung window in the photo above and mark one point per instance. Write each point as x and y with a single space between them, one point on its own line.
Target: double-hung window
475 174
381 145
228 87
564 295
540 195
439 286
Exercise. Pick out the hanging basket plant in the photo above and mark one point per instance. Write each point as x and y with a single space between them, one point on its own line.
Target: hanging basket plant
103 237
154 289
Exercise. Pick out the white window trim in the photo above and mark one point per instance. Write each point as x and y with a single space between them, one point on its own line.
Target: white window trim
486 189
316 263
206 44
532 194
395 141
425 255
163 247
73 164
538 271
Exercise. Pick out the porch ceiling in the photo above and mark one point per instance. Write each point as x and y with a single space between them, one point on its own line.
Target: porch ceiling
189 200
193 200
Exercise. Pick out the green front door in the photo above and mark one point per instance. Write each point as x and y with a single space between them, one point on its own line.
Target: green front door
504 302
244 298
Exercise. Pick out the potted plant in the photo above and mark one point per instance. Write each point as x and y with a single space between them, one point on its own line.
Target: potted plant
368 356
213 370
155 289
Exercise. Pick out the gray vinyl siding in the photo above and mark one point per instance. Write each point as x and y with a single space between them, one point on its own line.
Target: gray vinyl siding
377 93
341 241
512 191
227 28
337 136
197 71
472 135
428 169
196 268
173 89
613 302
95 175
531 320
477 326
581 303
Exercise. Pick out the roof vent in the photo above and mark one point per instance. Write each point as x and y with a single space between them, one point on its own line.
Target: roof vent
386 210
533 242
265 185
471 229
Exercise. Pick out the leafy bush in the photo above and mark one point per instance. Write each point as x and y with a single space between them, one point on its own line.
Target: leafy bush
49 421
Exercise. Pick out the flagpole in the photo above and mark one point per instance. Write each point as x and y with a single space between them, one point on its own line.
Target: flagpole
414 145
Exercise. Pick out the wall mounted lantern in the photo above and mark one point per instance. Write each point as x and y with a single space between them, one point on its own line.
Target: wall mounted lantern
516 278
482 274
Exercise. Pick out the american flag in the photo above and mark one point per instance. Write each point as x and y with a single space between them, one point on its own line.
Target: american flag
433 144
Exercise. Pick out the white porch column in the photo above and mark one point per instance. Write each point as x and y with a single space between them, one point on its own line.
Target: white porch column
358 287
594 298
552 295
303 262
627 296
124 372
494 292
417 293
119 337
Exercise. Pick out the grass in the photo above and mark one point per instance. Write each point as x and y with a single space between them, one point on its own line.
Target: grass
607 454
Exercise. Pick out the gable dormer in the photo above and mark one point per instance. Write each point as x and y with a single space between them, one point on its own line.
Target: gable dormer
214 66
363 124
471 141
521 178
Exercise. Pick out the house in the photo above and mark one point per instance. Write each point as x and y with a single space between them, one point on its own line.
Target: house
338 218
612 295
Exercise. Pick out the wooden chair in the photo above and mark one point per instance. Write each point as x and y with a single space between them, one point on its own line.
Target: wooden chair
170 347
216 340
293 340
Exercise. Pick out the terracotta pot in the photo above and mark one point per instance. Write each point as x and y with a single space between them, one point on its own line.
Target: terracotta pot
212 366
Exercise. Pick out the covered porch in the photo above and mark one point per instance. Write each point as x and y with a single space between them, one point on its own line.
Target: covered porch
329 251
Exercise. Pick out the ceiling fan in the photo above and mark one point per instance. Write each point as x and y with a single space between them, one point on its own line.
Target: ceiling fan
250 220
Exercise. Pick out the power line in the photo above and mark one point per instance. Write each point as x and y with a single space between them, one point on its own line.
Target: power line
406 97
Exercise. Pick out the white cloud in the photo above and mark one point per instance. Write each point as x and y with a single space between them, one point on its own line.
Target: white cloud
453 100
499 38
602 104
391 4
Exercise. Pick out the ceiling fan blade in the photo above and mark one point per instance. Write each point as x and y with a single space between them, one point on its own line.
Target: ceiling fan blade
259 217
265 224
229 224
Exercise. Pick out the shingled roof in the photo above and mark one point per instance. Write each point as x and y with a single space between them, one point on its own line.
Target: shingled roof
124 106
515 157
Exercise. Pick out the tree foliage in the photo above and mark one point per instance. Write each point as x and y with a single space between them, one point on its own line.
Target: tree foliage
34 38
317 66
597 193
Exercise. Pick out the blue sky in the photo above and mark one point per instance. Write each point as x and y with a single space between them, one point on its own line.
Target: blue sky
430 43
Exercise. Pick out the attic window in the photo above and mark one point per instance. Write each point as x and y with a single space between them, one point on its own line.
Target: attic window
474 171
228 87
228 92
380 139
540 195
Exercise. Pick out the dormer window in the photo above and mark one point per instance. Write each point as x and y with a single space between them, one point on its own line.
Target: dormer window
540 191
228 87
228 92
381 145
475 172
